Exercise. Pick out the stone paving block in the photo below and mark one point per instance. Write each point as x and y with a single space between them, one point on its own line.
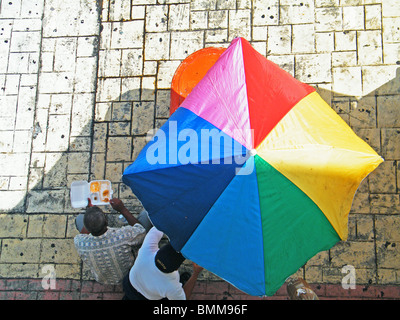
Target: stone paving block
13 225
215 36
86 46
31 9
17 270
203 5
381 80
58 133
347 80
130 89
109 63
46 201
373 16
20 250
313 68
178 17
127 35
138 12
356 253
157 46
162 103
108 89
344 59
345 41
78 162
388 111
65 54
132 62
138 145
61 82
390 143
388 254
387 228
121 111
391 53
119 149
55 170
369 47
97 166
166 70
391 29
198 20
142 120
265 12
157 18
279 40
218 19
296 13
14 164
185 43
239 24
383 179
120 10
363 113
67 271
328 19
303 36
99 137
25 41
87 24
363 227
149 68
46 226
59 251
87 67
113 171
385 203
353 18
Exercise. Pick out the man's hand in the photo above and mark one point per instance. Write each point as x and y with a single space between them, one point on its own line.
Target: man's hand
117 204
196 268
189 285
89 203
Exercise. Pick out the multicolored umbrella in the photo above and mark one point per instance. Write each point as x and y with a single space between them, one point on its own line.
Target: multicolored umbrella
253 174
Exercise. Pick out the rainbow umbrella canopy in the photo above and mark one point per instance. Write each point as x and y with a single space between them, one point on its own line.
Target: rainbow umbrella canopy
253 174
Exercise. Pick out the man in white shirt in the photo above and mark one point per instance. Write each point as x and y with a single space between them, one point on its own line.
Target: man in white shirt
155 276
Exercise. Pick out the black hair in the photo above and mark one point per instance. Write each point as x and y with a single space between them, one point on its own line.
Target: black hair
94 220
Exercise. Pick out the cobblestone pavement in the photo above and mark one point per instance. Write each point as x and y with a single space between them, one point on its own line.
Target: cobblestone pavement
83 81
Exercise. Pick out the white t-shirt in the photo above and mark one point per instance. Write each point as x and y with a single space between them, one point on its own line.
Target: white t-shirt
147 279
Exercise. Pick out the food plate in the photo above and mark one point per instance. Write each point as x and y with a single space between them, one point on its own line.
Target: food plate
99 192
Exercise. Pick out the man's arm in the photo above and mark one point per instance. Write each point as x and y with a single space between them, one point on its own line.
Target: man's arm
118 205
189 285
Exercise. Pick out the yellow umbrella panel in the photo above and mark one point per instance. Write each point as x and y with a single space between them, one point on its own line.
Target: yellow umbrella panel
317 151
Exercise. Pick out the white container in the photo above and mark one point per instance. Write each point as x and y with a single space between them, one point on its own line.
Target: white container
99 192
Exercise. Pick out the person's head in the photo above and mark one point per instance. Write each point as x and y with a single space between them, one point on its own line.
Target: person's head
167 259
95 221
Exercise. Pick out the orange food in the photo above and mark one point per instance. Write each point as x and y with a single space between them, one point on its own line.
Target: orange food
105 193
105 200
94 187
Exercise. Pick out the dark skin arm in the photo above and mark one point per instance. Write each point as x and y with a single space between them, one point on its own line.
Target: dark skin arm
189 285
118 205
